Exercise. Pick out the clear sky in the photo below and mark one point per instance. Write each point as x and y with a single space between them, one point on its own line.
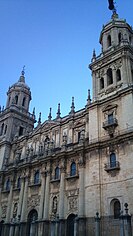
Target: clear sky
54 39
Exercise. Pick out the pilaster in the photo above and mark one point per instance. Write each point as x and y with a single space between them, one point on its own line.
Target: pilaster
61 194
43 183
24 204
46 203
8 216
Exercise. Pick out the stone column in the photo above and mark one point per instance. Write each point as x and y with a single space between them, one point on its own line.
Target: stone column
61 195
127 228
1 180
8 215
41 207
81 207
52 228
57 226
81 187
46 203
17 228
12 227
61 199
76 226
33 229
114 76
97 224
124 71
20 198
24 203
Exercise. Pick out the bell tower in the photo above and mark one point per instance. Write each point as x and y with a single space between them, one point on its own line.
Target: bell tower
112 79
112 70
15 119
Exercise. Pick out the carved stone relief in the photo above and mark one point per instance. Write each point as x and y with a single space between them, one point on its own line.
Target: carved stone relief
4 210
33 201
72 203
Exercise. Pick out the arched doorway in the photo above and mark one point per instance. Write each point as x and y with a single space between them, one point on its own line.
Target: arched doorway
115 208
70 225
32 217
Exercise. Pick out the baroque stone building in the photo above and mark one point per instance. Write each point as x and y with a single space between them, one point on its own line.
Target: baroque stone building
55 177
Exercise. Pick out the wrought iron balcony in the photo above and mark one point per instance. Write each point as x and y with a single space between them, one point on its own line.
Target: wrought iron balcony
110 123
112 166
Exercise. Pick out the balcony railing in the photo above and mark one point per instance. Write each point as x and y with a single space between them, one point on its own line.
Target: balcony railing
34 183
55 178
108 123
112 166
72 175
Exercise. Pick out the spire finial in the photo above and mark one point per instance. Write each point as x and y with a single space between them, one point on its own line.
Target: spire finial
89 97
23 71
39 119
58 112
93 56
50 116
22 78
72 107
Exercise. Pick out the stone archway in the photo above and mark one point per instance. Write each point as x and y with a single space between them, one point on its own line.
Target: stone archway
70 224
32 217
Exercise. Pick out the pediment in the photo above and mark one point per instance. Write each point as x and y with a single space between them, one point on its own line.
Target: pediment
109 107
44 126
79 123
48 124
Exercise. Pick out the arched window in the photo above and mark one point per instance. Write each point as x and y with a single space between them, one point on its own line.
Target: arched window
36 177
23 102
73 169
112 160
118 75
109 76
2 128
8 184
57 173
102 83
117 209
16 99
109 41
119 37
19 182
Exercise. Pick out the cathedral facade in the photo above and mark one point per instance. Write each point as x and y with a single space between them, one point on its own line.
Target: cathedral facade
72 176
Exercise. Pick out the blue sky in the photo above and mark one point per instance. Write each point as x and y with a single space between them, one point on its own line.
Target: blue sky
54 39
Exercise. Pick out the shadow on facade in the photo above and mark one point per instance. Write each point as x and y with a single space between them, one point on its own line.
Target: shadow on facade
73 226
